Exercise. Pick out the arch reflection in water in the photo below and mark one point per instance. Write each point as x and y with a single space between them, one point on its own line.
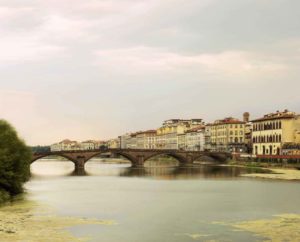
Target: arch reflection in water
185 172
52 166
100 167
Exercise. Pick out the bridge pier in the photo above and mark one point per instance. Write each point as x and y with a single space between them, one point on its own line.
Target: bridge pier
140 160
79 164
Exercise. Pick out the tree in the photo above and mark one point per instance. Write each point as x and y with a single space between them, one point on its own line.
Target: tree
15 159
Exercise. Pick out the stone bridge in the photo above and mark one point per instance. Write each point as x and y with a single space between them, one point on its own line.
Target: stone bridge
137 157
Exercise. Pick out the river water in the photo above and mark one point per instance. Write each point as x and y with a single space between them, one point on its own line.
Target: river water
160 204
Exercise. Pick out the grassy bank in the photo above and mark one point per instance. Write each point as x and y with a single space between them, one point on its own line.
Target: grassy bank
277 170
264 164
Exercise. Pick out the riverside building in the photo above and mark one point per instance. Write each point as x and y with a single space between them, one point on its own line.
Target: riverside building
274 133
192 139
146 139
227 135
65 145
167 134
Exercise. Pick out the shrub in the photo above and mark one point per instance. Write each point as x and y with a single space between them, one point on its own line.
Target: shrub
14 161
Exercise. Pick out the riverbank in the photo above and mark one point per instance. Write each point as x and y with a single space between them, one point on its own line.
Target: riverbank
273 170
282 174
26 221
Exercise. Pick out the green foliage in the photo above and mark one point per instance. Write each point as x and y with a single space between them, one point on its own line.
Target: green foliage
4 196
15 159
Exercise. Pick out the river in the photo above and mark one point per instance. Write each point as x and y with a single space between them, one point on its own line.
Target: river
176 204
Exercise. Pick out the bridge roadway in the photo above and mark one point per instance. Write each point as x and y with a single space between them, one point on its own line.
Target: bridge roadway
137 157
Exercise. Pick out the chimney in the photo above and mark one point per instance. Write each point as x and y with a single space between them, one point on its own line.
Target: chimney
246 117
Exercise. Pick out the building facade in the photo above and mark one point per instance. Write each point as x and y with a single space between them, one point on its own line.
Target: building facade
167 135
275 132
227 135
146 139
113 143
65 145
195 139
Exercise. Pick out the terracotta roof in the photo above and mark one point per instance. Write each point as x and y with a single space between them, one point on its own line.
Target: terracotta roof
278 115
67 141
228 120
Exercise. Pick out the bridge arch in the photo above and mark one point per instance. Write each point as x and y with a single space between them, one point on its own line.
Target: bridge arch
130 158
203 156
39 157
181 159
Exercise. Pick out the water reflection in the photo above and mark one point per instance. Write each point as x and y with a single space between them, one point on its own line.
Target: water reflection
54 168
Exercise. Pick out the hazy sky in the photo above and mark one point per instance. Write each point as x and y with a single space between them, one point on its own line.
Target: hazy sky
83 69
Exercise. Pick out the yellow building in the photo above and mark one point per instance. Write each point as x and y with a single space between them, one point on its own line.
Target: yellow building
274 132
146 139
113 143
227 135
167 134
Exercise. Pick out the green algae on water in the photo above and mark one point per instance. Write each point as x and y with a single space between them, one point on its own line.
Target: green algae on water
27 221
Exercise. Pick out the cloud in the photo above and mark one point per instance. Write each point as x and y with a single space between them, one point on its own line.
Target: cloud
8 13
24 48
231 63
97 68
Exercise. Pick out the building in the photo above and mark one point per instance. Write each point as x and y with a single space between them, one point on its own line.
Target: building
276 133
207 137
92 144
113 143
227 135
146 139
195 139
181 142
132 141
65 145
87 145
167 134
124 140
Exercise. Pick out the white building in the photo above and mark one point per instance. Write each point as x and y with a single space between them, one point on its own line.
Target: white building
88 145
195 139
65 145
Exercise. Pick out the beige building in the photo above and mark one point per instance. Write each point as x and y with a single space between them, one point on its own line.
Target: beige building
167 134
195 139
65 145
274 133
146 139
92 144
113 143
227 135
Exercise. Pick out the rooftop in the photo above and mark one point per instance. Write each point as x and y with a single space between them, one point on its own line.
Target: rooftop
228 120
286 114
195 129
